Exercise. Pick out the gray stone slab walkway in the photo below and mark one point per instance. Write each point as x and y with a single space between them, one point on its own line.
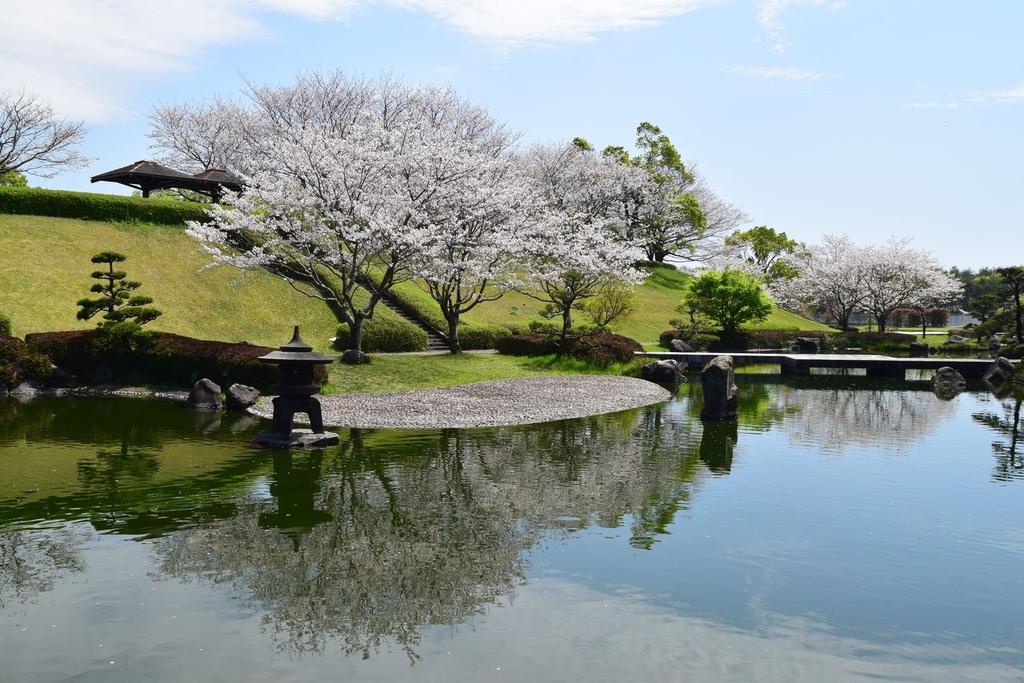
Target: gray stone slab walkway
488 404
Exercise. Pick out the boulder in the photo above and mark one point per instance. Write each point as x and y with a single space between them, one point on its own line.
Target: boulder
205 395
919 350
956 339
680 346
354 357
718 383
664 372
808 345
239 397
947 382
1000 372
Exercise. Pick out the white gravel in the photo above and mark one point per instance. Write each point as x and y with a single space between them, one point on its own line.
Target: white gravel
487 404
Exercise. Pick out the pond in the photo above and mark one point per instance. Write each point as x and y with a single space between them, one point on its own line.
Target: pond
847 529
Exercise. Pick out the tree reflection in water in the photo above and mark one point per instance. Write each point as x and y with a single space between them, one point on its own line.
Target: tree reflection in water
402 533
1009 458
34 561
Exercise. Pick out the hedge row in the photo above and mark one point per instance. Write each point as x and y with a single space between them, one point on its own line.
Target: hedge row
98 207
601 348
155 358
382 335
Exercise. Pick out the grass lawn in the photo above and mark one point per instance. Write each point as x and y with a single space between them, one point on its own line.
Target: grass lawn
390 372
46 270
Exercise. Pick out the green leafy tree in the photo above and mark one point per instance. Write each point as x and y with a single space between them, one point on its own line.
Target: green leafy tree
1013 287
121 309
765 248
615 302
12 179
730 297
984 306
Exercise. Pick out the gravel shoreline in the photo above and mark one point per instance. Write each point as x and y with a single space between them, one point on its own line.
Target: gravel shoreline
487 404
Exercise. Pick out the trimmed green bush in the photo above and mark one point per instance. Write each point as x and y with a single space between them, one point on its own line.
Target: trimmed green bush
98 207
18 363
480 335
382 335
5 326
527 344
599 348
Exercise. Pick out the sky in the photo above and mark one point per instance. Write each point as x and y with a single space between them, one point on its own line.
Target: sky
867 117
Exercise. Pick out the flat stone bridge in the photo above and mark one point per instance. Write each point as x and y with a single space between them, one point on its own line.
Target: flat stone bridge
801 363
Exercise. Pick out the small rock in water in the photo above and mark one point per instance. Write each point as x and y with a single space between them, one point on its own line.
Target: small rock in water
205 395
240 397
947 383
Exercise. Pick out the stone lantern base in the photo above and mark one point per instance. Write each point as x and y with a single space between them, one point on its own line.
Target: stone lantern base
297 438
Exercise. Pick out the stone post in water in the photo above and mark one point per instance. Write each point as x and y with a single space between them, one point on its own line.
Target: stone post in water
718 382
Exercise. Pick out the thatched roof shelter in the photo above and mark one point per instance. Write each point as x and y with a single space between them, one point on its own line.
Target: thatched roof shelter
148 176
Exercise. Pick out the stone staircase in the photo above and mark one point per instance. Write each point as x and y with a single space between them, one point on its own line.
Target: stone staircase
435 340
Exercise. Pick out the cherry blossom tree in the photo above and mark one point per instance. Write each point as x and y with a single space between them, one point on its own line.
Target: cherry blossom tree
897 275
477 219
199 135
579 246
345 182
832 278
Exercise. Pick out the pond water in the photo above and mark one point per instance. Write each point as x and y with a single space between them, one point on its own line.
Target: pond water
846 530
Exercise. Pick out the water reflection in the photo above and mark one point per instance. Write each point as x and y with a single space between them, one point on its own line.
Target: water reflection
1009 451
34 561
391 543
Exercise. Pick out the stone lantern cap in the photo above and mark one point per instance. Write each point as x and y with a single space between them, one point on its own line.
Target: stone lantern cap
296 351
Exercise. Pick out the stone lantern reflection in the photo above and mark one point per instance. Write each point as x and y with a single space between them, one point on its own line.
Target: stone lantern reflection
296 385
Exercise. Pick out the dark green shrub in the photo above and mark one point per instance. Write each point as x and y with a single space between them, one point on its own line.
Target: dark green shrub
5 326
1012 351
529 344
18 363
480 335
383 335
157 358
98 207
603 348
698 342
544 327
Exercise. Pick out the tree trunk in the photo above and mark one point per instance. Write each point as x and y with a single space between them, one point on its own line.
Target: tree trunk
355 334
566 326
882 320
453 333
1020 318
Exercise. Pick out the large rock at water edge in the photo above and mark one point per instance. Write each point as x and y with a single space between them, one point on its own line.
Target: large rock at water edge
919 350
663 372
240 397
808 344
947 382
679 346
718 383
205 395
1000 372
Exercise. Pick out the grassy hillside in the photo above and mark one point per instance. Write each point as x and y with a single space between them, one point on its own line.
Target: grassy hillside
656 300
46 270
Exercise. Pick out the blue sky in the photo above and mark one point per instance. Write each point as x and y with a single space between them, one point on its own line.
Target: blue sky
869 117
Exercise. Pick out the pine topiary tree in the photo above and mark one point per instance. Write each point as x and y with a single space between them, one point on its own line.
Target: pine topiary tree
121 310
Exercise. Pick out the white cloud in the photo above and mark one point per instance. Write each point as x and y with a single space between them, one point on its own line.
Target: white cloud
770 12
983 98
782 73
84 56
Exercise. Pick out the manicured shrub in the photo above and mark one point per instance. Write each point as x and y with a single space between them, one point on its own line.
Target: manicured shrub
5 326
480 335
98 207
156 358
603 348
384 335
528 344
18 363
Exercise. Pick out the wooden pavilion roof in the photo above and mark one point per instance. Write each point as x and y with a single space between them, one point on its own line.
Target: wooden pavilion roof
148 176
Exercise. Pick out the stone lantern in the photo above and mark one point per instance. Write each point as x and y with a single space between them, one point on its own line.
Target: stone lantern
295 389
